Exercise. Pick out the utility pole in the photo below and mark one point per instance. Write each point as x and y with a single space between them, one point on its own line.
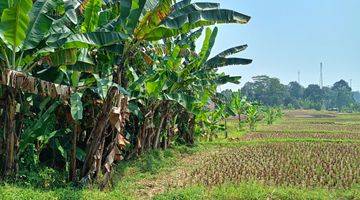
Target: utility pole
351 83
299 77
321 76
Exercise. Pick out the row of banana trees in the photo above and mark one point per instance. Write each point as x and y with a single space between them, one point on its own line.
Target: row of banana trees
85 84
234 106
252 113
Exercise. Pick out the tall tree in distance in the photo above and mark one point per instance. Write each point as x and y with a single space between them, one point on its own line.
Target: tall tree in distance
329 96
266 90
296 90
343 94
313 96
296 93
270 92
313 93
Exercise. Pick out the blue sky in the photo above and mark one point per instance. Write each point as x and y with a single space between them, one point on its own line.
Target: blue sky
285 36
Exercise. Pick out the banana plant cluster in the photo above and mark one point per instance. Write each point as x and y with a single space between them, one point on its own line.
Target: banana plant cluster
114 78
251 113
240 105
272 114
253 116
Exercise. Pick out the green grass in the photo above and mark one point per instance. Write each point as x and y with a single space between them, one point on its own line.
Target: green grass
19 193
252 190
123 185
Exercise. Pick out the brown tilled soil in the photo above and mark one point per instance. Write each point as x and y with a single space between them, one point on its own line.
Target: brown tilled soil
177 177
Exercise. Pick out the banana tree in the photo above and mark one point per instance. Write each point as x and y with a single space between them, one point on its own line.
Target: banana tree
24 28
37 38
99 43
141 23
270 115
240 105
181 70
253 116
227 111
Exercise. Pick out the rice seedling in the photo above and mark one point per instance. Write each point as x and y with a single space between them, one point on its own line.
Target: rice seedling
305 164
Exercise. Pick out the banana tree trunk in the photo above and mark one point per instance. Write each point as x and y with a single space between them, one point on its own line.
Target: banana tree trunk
72 172
239 117
167 140
2 106
225 126
157 136
10 132
2 137
191 134
150 134
171 131
99 157
140 139
161 125
106 139
164 140
147 133
117 143
96 136
150 137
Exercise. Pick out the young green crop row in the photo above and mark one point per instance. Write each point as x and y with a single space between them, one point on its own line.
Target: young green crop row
324 127
256 136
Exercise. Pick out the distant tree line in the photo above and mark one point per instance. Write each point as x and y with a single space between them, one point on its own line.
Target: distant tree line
270 91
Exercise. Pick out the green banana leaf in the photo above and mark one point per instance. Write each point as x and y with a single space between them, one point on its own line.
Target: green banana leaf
70 10
76 106
208 44
232 51
40 23
153 18
134 16
222 62
84 40
181 4
224 79
184 100
184 23
194 7
63 57
3 6
32 133
14 23
91 15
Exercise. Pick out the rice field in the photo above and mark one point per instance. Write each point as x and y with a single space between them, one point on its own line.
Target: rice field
310 124
306 150
304 164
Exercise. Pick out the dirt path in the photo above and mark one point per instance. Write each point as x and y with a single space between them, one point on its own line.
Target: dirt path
178 176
